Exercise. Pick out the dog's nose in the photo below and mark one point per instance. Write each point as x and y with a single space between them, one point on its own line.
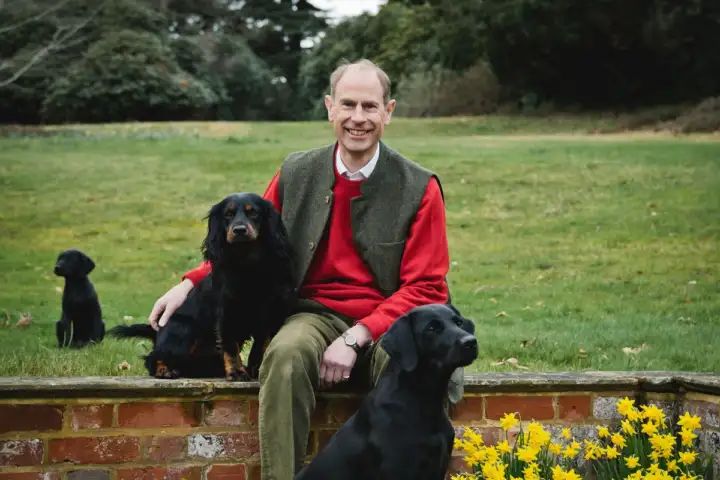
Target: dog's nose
469 342
56 270
240 229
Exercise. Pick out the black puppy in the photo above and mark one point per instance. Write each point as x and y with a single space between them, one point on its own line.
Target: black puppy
248 294
401 430
81 321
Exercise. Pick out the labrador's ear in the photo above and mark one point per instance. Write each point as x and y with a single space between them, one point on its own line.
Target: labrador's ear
399 343
86 264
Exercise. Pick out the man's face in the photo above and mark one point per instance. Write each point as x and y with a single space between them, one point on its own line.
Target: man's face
358 113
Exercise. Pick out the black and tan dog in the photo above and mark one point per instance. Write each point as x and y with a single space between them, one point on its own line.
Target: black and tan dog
248 294
81 321
401 430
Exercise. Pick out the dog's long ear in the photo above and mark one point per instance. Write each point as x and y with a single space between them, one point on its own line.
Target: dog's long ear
86 264
212 246
276 235
399 343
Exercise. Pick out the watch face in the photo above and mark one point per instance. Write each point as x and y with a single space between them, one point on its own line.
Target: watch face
350 339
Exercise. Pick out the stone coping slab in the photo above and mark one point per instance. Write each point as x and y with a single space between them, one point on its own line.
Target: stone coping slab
73 387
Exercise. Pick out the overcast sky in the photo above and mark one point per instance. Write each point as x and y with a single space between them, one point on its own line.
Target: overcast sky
347 8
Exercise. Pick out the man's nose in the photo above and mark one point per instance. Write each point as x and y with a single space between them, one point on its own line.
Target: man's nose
358 114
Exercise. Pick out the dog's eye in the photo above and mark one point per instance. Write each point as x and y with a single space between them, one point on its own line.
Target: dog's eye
458 322
434 327
229 214
252 213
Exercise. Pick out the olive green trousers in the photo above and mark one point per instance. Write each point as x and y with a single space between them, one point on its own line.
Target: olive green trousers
289 377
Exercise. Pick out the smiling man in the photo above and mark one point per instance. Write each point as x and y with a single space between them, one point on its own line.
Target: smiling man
368 230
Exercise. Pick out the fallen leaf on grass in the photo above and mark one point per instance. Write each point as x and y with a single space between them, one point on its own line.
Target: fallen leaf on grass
512 362
123 365
24 321
634 350
58 289
501 314
582 353
527 343
128 318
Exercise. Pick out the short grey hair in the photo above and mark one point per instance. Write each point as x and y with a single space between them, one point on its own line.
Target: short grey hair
337 74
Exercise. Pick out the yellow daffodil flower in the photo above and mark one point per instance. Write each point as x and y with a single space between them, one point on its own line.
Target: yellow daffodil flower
566 434
649 428
689 422
687 458
508 421
632 462
503 447
653 413
627 427
603 432
687 437
527 454
611 453
555 448
624 406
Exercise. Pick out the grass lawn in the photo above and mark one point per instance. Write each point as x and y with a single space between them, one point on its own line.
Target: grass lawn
571 251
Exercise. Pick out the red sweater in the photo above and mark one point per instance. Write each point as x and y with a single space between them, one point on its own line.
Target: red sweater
338 277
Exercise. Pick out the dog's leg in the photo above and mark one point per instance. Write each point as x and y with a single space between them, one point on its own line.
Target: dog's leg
62 332
234 369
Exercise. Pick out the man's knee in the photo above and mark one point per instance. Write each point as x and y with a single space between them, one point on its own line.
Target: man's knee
289 355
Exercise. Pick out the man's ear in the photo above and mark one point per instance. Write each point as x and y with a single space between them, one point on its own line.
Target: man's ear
389 109
328 107
399 343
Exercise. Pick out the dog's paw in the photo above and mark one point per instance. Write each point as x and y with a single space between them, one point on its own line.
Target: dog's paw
237 375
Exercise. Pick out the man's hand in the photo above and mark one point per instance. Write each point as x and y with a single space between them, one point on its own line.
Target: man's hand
168 303
339 359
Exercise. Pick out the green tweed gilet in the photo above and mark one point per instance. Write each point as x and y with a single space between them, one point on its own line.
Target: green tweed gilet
381 217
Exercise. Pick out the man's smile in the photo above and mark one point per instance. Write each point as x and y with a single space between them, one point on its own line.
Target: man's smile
357 133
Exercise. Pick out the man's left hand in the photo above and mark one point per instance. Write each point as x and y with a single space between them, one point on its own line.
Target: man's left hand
339 359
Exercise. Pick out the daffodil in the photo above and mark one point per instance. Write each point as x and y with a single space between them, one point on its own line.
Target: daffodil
566 434
571 450
624 406
618 440
557 473
572 475
687 437
611 453
531 472
494 471
671 466
688 457
632 462
603 432
473 437
508 421
555 448
690 422
503 447
527 454
627 427
653 413
649 428
593 450
537 435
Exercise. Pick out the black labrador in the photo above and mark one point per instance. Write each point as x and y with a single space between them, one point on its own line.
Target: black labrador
81 322
401 430
248 294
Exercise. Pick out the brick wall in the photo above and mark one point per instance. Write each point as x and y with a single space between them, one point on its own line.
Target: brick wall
140 428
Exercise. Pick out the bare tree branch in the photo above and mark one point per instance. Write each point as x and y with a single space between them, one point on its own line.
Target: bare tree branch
34 18
59 41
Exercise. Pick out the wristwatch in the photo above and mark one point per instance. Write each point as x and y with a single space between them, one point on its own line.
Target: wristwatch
351 341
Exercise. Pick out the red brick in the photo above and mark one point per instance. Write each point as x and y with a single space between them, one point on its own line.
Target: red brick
21 453
30 417
574 407
341 409
242 444
30 476
254 472
91 416
102 450
226 413
226 472
529 407
148 415
164 449
469 409
160 473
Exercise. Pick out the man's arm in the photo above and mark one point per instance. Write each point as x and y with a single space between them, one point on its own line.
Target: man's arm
423 269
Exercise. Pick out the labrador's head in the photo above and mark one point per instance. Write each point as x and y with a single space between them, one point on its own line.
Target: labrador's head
434 336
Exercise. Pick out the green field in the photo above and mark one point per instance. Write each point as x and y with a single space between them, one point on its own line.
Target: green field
567 247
